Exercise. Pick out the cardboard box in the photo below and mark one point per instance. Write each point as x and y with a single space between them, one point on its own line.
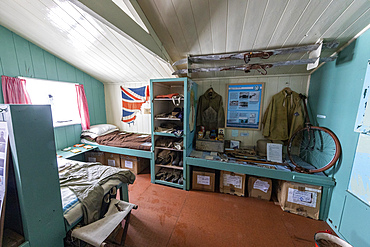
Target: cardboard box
204 179
111 159
232 183
134 164
302 199
93 156
260 188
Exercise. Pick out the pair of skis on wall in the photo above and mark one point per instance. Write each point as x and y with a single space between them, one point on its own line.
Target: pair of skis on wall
260 67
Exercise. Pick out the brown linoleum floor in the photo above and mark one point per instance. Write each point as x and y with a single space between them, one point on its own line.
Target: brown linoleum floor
173 217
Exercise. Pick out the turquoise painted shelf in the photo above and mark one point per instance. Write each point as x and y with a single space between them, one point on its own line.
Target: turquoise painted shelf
69 154
166 134
181 186
327 183
187 88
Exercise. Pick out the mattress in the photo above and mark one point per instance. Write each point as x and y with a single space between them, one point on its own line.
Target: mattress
125 140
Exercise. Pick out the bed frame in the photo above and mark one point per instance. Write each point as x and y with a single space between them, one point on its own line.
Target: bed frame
123 195
126 151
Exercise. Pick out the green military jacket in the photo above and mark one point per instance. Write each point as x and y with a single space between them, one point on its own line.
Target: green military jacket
283 116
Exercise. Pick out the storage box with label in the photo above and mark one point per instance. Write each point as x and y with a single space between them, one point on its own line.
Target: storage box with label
232 183
111 159
203 179
93 156
259 188
302 199
134 164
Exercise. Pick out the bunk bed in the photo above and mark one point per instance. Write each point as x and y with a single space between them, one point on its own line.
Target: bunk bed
108 138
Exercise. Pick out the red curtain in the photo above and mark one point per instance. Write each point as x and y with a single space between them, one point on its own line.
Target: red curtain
83 107
14 90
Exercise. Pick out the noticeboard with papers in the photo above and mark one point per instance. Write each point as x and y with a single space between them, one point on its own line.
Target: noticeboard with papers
244 105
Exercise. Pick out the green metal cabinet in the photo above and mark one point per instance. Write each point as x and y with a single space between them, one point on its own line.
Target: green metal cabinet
32 146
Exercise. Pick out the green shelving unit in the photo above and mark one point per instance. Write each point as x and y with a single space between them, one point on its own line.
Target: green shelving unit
188 92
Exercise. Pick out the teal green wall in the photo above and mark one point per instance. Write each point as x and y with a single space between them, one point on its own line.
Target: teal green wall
335 91
18 57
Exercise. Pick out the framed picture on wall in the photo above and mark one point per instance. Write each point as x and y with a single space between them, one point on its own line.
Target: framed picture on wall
244 105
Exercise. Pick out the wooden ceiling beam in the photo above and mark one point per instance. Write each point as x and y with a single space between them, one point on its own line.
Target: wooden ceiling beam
111 15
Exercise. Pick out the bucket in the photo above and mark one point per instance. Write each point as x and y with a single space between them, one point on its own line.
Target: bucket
326 239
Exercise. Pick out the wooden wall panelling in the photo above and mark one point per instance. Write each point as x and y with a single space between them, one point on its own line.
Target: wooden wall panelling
60 137
39 67
23 54
99 99
273 85
51 67
187 26
18 57
7 49
202 16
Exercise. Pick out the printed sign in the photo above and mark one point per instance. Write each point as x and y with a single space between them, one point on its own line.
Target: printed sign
244 104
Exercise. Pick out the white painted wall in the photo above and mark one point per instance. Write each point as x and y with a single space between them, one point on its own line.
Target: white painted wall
273 85
113 104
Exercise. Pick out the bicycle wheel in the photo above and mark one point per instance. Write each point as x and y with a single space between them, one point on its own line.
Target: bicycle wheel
313 149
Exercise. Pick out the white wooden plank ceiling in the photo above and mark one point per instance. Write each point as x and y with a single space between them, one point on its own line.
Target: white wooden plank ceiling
219 26
184 27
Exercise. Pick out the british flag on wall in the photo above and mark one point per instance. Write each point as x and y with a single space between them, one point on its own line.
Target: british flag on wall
132 100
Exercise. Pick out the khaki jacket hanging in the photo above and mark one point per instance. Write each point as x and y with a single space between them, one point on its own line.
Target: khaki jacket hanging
283 116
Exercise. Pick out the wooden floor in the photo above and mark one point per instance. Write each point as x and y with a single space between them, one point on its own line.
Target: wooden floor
173 217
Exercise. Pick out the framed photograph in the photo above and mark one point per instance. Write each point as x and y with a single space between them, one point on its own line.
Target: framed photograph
244 105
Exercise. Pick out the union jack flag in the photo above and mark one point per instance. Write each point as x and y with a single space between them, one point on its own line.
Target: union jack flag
132 100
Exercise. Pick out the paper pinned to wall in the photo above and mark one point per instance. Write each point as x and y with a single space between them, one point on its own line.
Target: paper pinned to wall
234 133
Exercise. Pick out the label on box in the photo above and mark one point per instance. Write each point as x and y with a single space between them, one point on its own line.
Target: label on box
111 163
91 159
234 180
129 164
306 198
261 185
205 180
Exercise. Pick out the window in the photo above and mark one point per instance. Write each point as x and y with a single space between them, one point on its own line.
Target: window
60 95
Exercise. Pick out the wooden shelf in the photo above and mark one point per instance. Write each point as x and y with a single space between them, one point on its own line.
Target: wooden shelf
170 166
168 118
167 134
169 184
166 99
69 154
172 149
